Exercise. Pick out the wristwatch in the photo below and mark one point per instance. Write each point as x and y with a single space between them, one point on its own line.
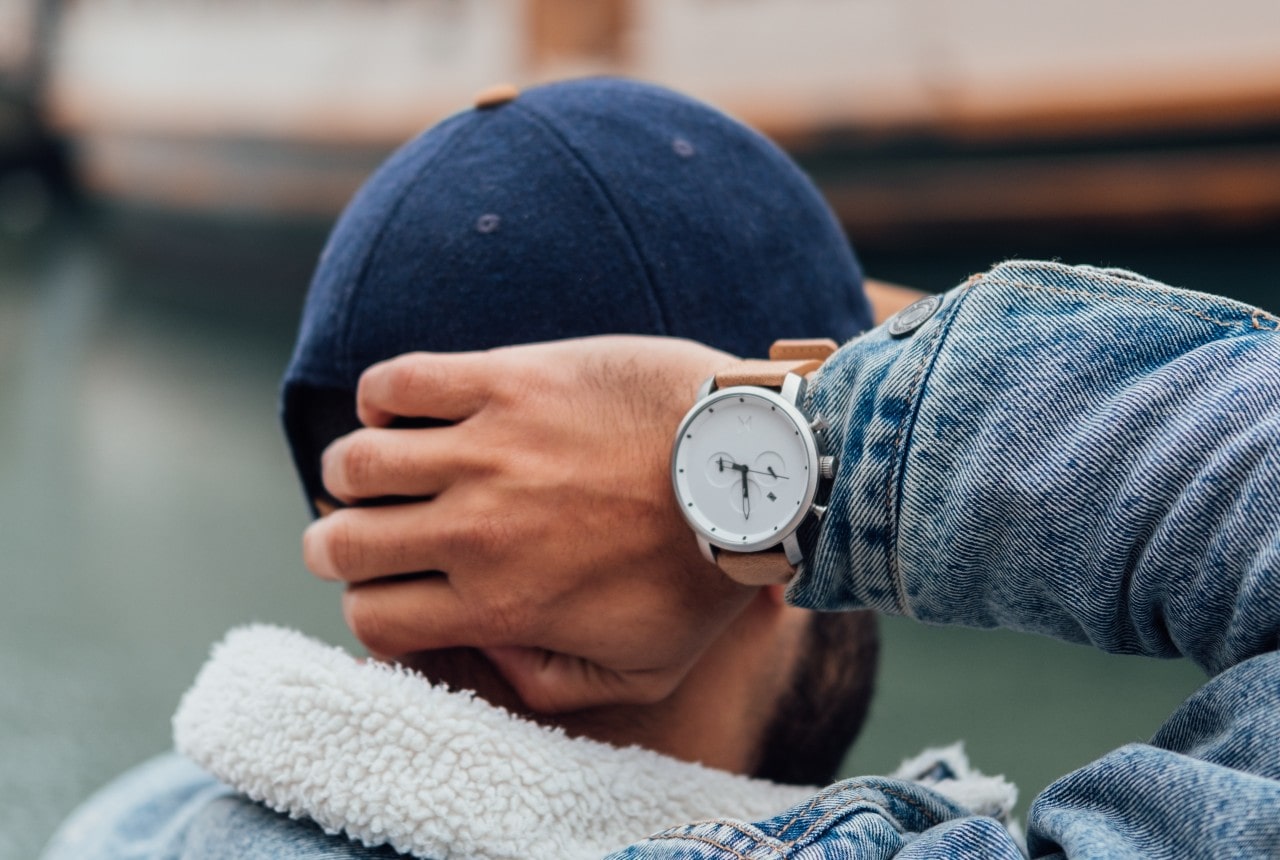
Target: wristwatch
749 467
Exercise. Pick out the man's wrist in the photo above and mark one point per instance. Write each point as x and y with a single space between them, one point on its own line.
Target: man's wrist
761 441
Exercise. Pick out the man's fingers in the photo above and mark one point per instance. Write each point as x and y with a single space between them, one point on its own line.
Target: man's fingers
375 462
359 544
551 683
447 386
399 616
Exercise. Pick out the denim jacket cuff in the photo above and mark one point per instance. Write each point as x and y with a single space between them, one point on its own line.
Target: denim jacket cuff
868 392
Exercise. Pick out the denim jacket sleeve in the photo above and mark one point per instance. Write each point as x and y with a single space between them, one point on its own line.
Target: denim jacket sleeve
1094 456
1077 452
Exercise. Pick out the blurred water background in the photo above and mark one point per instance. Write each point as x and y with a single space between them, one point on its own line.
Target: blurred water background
146 499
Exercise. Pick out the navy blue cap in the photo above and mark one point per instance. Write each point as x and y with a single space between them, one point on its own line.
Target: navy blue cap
578 208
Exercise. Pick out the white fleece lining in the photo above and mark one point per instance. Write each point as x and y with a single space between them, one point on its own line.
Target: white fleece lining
383 756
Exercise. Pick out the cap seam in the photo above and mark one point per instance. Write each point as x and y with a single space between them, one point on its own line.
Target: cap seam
356 291
547 125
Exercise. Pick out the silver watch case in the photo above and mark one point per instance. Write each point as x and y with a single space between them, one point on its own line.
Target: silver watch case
792 393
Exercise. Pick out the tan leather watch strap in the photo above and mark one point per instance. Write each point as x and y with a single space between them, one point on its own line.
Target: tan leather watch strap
800 357
820 348
756 568
766 374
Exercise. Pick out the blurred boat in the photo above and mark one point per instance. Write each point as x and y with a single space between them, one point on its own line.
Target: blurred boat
912 114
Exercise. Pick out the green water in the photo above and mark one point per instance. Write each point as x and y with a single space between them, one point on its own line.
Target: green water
147 504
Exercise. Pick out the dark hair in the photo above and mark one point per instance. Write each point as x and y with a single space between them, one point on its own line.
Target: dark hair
821 713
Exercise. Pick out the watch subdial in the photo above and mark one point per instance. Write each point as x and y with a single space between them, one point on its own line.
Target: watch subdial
769 469
721 472
752 503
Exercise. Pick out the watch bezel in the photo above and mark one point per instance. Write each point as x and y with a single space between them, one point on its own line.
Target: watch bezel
812 454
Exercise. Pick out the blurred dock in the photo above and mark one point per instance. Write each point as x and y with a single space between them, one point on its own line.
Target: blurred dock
912 114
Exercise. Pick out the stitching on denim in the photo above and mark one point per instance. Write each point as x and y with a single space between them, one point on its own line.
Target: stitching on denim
713 843
859 796
1107 297
1259 315
891 480
737 826
912 802
1111 273
862 798
898 469
803 812
831 813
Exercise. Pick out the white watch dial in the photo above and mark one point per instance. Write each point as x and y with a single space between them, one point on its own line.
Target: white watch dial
745 468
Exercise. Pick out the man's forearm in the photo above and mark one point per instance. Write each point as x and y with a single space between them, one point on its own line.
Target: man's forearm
1071 451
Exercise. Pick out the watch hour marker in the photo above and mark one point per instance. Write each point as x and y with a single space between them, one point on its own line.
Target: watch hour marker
771 497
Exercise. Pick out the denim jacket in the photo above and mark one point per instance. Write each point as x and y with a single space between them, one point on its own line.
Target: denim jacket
1077 452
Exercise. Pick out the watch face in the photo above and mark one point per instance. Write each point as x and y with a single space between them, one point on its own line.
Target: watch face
745 468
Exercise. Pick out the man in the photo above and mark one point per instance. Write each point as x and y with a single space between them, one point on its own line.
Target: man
1078 452
576 209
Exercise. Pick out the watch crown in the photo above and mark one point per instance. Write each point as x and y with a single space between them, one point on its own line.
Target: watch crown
827 467
818 424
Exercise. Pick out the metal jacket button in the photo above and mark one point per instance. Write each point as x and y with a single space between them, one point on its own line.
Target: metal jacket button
914 315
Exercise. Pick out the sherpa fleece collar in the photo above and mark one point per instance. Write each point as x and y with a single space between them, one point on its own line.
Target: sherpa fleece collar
385 757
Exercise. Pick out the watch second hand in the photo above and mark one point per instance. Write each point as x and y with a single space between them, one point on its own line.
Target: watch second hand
738 467
746 496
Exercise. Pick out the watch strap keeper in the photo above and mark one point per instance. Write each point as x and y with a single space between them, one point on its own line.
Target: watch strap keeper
800 357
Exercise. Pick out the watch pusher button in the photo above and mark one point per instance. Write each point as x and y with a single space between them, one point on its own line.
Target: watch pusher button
827 467
818 424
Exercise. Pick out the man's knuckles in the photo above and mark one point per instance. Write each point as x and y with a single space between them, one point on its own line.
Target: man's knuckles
336 548
480 534
355 467
370 618
448 387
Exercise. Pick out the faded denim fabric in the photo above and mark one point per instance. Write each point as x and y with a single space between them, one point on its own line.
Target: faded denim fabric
171 809
1076 452
867 818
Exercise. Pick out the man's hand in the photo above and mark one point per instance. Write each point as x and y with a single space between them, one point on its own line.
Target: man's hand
547 515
